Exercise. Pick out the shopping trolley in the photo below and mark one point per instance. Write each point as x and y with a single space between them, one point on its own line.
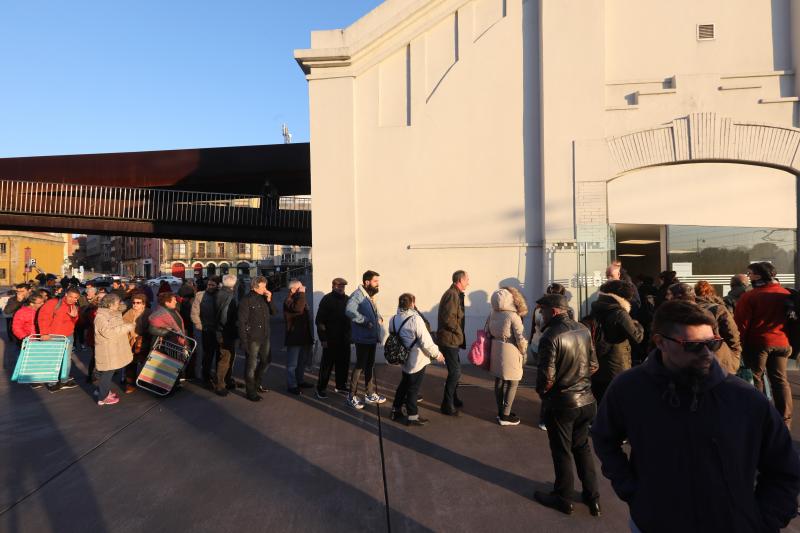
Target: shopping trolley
43 361
165 362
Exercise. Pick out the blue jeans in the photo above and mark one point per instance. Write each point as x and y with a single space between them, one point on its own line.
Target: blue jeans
296 357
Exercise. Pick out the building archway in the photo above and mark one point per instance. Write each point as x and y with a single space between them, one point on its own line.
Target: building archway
211 269
665 165
243 269
179 270
223 268
198 270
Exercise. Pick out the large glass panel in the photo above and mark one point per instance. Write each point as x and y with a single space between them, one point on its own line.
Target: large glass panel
717 253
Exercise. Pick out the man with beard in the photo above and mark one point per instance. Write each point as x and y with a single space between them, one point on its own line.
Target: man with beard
366 334
708 452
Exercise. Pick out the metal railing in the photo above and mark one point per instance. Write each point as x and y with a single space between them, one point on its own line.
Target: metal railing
153 205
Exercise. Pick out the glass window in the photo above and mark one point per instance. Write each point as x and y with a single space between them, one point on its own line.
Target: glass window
2 249
221 249
201 249
717 253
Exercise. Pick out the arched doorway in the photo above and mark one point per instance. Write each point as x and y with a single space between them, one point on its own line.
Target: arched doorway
211 269
223 268
198 270
179 270
243 269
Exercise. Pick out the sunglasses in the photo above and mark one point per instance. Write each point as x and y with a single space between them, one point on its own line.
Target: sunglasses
713 345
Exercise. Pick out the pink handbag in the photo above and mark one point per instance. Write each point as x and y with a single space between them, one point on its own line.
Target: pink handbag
481 350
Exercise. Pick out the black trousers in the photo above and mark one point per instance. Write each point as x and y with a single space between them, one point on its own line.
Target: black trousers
568 432
408 391
335 357
365 362
257 360
210 352
453 375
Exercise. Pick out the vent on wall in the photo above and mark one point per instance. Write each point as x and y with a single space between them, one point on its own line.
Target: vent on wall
705 32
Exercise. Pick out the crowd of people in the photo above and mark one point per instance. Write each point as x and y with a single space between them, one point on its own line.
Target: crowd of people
668 379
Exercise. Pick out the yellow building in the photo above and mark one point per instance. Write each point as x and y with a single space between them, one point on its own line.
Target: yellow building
48 250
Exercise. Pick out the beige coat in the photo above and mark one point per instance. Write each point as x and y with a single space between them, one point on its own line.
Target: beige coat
112 350
508 338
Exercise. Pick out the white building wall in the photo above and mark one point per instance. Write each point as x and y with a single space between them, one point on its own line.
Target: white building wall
433 180
480 134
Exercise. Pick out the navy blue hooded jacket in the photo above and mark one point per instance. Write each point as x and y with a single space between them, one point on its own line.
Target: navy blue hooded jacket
715 456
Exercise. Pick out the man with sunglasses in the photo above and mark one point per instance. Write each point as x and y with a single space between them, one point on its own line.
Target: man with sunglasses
707 451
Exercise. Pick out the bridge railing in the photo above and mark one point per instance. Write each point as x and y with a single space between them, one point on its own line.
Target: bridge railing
153 205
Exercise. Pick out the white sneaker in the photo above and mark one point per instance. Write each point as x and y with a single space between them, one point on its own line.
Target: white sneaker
355 403
375 398
542 427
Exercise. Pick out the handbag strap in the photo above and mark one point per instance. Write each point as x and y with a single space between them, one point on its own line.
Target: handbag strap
397 332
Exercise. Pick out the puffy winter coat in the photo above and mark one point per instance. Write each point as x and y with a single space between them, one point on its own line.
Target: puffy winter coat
364 318
508 337
112 350
730 354
23 324
414 334
612 313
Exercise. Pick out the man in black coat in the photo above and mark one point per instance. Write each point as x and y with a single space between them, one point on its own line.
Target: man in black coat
708 452
254 312
612 312
227 315
566 364
333 331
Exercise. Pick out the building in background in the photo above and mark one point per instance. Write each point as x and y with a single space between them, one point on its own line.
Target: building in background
196 259
98 254
24 254
136 256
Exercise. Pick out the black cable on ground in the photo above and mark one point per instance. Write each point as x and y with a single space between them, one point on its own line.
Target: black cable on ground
79 458
383 466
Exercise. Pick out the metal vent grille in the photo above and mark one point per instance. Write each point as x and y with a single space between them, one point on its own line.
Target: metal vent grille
705 32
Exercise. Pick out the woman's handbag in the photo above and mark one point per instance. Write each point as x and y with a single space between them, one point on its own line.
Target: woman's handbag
481 350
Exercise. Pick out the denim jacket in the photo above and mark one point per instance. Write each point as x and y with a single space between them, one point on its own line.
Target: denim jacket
364 318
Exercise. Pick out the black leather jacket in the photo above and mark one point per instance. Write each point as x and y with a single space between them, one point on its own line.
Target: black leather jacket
566 364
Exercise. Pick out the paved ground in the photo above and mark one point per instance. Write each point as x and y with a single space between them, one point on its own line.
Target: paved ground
198 461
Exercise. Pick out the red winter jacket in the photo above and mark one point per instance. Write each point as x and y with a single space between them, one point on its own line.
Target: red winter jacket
23 325
760 315
54 318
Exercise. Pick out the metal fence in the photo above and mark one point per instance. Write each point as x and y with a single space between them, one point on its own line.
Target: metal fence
153 205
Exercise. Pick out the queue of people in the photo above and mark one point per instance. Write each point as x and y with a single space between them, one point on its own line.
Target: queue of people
721 444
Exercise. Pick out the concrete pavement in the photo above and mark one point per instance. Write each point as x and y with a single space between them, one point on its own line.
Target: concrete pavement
197 461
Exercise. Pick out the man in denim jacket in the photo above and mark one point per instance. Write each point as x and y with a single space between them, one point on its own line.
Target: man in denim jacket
365 323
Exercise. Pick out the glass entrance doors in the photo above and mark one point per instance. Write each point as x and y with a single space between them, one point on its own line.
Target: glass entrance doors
711 253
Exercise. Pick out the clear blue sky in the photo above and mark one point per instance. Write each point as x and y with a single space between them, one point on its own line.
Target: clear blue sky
85 76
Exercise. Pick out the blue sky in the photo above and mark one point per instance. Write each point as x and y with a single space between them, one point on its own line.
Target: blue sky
112 75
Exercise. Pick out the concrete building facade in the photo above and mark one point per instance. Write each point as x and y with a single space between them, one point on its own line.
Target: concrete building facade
25 254
531 141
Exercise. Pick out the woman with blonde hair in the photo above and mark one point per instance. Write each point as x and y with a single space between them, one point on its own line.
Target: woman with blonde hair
111 348
509 347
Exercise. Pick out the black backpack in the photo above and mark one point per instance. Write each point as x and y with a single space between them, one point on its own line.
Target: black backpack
601 346
394 350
